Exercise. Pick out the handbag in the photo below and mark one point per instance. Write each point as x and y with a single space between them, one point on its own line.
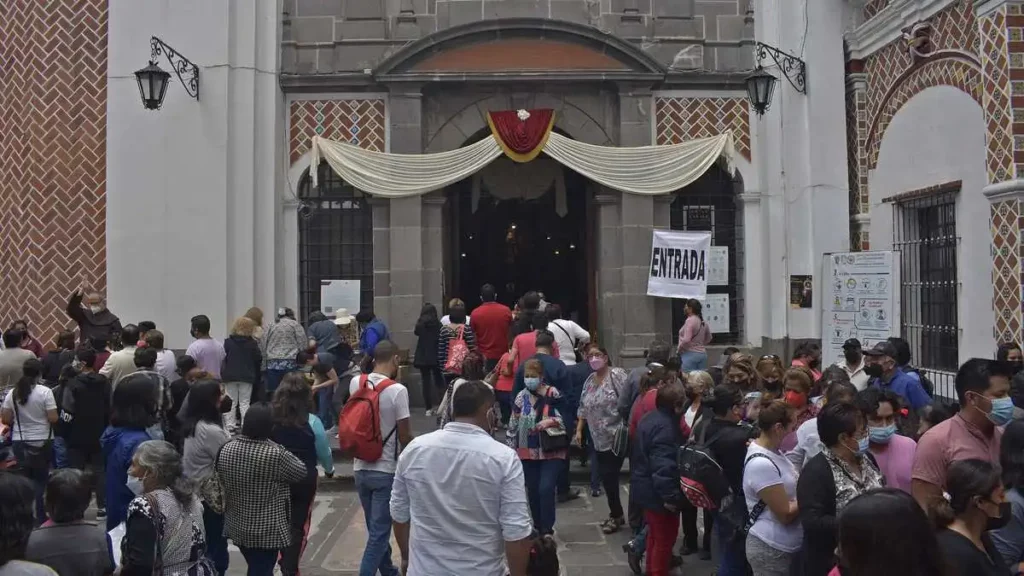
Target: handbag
620 441
457 352
575 344
37 454
211 490
553 439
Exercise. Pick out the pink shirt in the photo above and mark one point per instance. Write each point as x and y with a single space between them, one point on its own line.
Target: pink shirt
694 334
951 441
896 460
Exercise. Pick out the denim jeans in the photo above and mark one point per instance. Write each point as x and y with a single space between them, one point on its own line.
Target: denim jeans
38 476
60 453
261 562
595 474
273 380
325 407
691 361
375 495
216 542
541 479
732 556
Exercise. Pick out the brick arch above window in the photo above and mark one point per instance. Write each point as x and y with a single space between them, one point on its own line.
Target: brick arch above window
948 68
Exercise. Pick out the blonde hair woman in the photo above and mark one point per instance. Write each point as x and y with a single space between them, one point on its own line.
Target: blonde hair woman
256 315
241 370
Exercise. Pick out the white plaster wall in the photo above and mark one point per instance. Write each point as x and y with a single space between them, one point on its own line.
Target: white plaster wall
938 137
190 188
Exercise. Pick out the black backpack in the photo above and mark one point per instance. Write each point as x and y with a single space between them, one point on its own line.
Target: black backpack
926 383
700 476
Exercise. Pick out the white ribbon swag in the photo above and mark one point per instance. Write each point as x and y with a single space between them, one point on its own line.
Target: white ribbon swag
646 170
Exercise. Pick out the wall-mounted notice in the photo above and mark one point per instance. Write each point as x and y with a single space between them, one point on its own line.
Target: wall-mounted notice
718 266
337 294
861 300
716 312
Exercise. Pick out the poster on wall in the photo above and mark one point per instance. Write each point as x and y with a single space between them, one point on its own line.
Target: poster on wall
679 264
716 313
338 294
861 300
718 267
801 292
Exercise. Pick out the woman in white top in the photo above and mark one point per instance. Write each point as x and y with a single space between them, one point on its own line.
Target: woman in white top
30 410
769 487
569 336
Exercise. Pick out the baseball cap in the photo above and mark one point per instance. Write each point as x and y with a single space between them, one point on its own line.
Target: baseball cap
851 343
884 348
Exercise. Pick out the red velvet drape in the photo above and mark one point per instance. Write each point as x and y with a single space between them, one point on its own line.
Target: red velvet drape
522 140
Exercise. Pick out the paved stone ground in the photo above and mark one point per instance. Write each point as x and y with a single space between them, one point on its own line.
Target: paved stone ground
338 536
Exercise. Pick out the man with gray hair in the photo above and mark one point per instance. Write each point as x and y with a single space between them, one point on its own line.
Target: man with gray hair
465 491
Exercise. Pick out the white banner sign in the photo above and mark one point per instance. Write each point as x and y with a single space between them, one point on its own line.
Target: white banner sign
679 264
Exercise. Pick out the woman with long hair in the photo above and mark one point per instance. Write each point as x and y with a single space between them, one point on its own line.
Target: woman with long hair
769 488
204 434
976 504
599 410
133 410
31 411
427 331
884 532
769 368
694 335
164 528
300 432
1009 539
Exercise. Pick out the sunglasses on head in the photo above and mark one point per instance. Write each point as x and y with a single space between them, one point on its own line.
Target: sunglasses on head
770 357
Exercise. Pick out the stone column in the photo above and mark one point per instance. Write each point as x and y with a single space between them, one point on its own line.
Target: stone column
381 211
433 248
663 306
405 107
609 270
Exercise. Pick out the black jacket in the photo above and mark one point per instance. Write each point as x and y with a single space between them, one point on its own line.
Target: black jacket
85 411
654 475
729 448
242 360
104 325
53 361
426 345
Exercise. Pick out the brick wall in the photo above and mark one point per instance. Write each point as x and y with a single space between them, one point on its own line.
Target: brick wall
53 98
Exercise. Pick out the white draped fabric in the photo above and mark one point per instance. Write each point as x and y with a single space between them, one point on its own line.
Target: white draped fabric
507 180
646 170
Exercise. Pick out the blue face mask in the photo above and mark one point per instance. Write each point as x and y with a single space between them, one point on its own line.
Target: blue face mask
135 485
881 434
862 446
1002 411
531 384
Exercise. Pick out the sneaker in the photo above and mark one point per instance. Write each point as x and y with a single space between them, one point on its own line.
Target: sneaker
596 493
633 558
101 512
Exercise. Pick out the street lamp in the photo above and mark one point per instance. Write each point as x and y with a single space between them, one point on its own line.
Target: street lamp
153 80
760 87
761 84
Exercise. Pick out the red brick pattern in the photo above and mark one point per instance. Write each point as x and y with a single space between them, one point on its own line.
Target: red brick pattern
53 108
357 121
680 119
995 61
1006 270
856 140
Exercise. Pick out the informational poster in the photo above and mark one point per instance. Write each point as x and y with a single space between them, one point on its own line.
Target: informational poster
716 312
801 291
679 264
861 300
338 294
718 269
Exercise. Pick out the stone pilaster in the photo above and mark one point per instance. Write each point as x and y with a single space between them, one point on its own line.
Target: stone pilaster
638 328
609 270
663 306
433 248
1006 199
381 210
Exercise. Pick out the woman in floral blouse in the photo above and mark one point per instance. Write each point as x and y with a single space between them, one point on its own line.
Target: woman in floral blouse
598 410
532 413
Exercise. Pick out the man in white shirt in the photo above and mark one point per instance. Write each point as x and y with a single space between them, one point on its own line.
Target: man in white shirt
568 334
375 479
853 364
122 363
459 500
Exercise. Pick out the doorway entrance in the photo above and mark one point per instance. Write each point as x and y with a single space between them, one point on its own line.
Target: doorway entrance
523 227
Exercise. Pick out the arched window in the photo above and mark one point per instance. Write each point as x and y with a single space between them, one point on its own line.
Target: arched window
711 204
335 238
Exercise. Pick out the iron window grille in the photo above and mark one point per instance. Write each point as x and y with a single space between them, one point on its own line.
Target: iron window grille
335 238
925 234
711 204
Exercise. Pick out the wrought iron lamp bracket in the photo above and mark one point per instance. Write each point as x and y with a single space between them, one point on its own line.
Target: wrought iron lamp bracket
793 68
188 73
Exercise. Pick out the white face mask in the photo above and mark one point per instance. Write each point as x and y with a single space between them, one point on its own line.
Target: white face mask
135 485
96 309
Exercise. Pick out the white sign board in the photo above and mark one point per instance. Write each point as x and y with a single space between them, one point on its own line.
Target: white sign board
716 312
679 264
336 294
718 268
860 300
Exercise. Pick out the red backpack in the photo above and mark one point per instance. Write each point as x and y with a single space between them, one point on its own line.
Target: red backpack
359 433
457 352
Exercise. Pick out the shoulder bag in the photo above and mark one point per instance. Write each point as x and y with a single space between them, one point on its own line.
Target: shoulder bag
553 439
575 344
211 490
37 453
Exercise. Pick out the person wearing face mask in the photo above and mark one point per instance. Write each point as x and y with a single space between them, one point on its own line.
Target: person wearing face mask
769 368
533 413
94 321
797 390
741 374
808 355
880 366
808 443
769 488
853 363
894 453
133 411
1009 539
982 388
841 471
976 504
1010 353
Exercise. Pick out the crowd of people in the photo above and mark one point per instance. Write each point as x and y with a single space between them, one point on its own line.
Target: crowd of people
853 469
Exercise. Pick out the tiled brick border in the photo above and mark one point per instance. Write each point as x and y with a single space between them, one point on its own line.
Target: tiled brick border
358 121
680 119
